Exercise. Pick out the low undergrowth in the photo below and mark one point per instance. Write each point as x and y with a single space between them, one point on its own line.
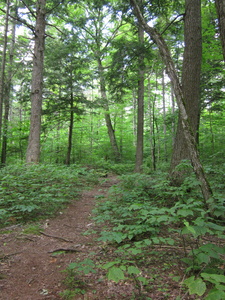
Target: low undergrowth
29 193
161 239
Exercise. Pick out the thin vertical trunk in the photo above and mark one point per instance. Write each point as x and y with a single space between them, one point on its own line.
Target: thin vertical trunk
134 117
164 115
7 98
70 135
108 121
151 105
140 106
33 150
211 131
220 7
2 75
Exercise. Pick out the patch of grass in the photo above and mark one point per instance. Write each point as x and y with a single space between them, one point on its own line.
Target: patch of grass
32 229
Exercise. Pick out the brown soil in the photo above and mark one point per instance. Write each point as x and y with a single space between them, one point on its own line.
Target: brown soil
31 270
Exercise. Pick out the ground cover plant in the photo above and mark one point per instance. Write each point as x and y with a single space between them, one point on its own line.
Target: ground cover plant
30 193
157 236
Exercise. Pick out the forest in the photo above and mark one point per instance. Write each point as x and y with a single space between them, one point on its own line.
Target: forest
91 89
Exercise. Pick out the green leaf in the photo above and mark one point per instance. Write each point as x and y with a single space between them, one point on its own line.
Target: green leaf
213 278
109 264
185 212
195 286
135 251
203 258
133 270
72 266
115 274
143 280
190 228
148 242
215 295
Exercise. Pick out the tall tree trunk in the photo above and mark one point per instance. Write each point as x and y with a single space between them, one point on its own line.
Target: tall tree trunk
164 115
7 96
190 85
190 137
134 117
33 150
140 106
108 121
151 109
2 75
70 135
220 7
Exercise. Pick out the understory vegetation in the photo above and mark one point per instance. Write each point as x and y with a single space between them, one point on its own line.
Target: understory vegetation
30 193
152 235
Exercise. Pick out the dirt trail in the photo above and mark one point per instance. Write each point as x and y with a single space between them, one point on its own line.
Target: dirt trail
29 270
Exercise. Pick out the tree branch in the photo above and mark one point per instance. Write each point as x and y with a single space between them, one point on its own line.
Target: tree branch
20 20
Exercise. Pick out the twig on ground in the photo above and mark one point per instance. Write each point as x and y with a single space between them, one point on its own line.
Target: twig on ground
56 237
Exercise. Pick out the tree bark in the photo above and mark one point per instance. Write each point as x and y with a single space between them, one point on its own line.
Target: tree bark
220 7
140 106
3 64
151 106
190 85
164 115
7 96
171 71
33 150
111 133
70 134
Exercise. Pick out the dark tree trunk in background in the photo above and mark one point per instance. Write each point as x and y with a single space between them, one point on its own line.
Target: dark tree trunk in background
190 85
3 63
33 150
7 95
171 71
164 115
220 7
140 106
70 134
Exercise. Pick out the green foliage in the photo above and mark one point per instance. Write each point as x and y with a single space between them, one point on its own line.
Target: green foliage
28 193
32 229
73 280
144 210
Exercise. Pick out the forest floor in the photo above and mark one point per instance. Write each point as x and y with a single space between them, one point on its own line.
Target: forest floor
32 265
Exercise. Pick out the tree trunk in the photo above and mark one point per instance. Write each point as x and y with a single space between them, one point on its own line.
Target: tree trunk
33 150
164 116
108 121
134 102
7 97
2 75
171 71
220 7
70 135
173 115
190 85
140 106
